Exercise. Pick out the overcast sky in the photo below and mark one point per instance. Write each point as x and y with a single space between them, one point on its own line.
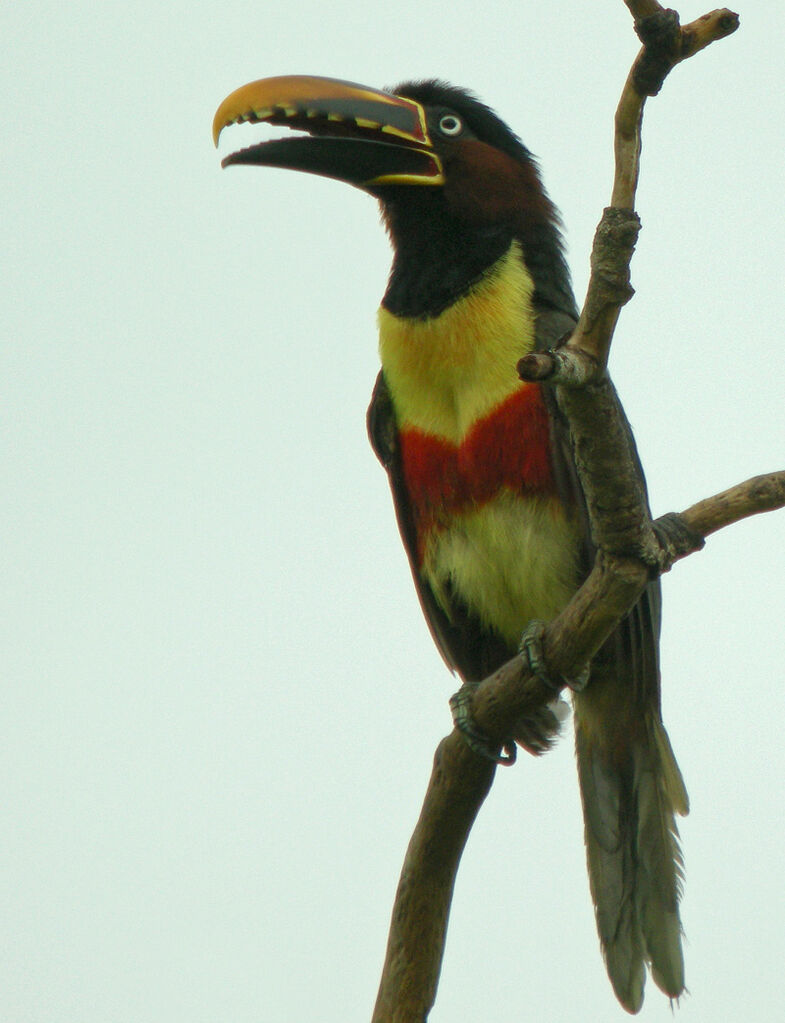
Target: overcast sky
220 700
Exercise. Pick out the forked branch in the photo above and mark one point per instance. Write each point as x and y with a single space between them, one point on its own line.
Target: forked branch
631 547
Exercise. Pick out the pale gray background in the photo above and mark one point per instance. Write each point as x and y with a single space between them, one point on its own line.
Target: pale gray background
220 700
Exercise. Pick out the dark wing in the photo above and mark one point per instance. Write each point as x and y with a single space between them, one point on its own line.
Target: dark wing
552 329
467 647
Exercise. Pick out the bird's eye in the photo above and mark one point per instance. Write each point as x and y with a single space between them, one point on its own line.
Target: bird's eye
450 125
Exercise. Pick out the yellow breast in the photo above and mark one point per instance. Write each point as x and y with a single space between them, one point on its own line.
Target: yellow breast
448 371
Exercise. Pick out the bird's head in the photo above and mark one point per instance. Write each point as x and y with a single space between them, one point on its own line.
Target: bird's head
448 172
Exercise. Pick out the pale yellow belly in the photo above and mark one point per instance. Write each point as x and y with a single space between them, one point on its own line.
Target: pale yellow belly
510 560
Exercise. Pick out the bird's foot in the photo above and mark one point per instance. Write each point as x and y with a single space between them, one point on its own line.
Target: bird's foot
460 705
535 733
531 648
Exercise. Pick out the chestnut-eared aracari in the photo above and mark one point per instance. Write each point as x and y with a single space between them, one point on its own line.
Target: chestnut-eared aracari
486 495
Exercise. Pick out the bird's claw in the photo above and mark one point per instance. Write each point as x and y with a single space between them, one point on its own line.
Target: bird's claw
475 738
531 648
540 729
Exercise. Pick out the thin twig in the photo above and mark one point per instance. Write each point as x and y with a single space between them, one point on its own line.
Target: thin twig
759 494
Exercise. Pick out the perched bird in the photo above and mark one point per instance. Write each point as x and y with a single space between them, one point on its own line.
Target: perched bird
486 496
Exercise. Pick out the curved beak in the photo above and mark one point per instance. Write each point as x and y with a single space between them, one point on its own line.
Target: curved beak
362 136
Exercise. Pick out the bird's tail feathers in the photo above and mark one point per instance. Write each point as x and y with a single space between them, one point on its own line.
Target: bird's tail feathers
634 858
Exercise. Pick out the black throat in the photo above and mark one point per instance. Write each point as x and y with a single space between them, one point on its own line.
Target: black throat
436 258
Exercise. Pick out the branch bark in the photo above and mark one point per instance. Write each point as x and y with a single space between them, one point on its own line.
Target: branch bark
460 780
631 547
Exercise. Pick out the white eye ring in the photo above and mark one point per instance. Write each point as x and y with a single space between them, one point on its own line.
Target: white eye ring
450 125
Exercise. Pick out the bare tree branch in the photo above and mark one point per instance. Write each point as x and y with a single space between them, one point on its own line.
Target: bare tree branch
759 494
459 783
460 780
665 45
631 547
